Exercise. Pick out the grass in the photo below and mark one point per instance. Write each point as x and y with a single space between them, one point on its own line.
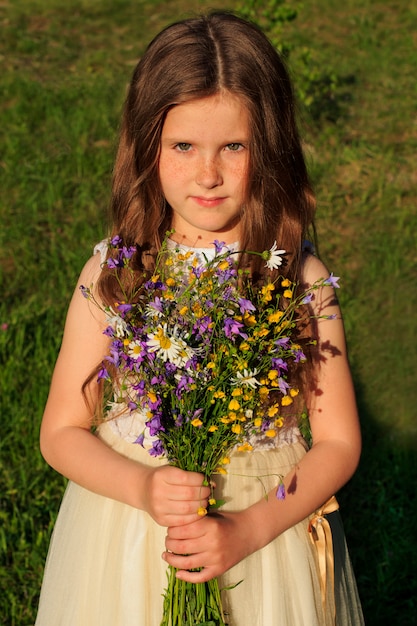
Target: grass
64 73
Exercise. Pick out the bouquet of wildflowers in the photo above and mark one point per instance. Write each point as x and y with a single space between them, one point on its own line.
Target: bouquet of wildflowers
205 359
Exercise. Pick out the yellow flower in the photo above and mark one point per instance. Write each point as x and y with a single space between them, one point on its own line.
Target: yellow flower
211 365
196 422
294 392
286 401
198 310
184 257
201 511
155 278
219 394
263 391
270 432
234 405
274 318
223 265
287 293
286 283
183 310
245 447
170 282
272 374
237 392
244 346
237 429
225 460
220 470
279 422
273 410
213 428
266 292
257 422
212 501
225 420
248 319
152 396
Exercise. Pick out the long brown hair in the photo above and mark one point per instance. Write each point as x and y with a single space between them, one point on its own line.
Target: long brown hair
197 58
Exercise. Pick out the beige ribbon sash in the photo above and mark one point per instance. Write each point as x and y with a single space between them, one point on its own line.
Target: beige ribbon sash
321 537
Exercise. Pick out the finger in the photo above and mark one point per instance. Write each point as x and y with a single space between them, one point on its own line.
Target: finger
201 576
189 567
178 476
187 546
189 531
183 561
193 494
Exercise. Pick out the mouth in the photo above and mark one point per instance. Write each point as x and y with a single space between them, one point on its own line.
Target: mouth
208 202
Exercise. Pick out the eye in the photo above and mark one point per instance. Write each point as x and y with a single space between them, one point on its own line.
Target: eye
183 147
234 147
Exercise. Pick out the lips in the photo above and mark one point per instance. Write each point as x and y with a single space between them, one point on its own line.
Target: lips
208 202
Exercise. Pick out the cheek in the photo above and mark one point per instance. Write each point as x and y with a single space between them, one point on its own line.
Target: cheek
170 170
239 173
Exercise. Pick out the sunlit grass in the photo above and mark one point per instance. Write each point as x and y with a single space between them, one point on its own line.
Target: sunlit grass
64 74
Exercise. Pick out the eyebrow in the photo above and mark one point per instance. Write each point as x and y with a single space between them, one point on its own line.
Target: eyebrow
242 140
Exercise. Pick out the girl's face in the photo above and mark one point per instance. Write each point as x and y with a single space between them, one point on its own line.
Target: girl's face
203 168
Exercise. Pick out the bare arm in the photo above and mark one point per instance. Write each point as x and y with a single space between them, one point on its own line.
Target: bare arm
170 495
222 541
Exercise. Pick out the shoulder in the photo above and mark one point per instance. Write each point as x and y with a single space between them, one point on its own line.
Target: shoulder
315 272
82 311
91 271
313 269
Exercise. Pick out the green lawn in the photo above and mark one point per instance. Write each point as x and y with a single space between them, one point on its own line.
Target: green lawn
64 70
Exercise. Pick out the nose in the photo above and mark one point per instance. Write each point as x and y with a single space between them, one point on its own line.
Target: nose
209 174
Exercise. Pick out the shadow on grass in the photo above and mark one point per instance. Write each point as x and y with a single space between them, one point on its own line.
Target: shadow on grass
379 509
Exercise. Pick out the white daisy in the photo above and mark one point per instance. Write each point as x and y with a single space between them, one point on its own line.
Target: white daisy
135 349
184 355
166 346
117 323
247 378
274 259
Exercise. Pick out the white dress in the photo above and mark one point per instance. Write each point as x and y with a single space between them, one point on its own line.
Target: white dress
104 565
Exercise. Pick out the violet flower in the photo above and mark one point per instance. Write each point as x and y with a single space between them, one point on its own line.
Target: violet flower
281 491
332 281
246 305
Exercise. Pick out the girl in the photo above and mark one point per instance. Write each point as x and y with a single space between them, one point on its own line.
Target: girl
209 149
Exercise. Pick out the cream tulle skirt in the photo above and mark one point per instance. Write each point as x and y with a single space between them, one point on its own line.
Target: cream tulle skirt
104 565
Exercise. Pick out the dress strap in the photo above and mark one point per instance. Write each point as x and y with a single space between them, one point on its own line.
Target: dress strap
321 537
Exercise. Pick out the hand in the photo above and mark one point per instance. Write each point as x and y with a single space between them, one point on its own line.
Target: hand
173 496
216 543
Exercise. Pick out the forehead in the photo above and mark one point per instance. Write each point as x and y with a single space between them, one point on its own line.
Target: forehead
221 115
